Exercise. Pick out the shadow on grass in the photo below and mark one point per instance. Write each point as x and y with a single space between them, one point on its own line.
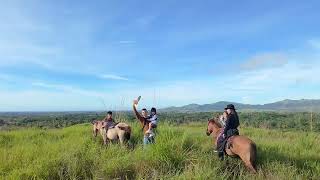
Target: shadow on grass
303 164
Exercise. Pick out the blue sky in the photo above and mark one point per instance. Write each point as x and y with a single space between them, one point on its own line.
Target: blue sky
97 55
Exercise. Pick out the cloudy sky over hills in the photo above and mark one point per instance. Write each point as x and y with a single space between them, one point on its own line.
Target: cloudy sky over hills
80 55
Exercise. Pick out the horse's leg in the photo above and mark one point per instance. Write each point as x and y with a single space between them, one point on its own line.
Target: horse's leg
104 137
95 132
121 139
253 157
250 166
249 160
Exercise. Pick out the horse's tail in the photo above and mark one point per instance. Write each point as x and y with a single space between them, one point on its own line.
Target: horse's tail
127 130
127 135
253 156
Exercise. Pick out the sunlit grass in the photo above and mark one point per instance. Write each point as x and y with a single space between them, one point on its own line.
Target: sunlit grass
180 152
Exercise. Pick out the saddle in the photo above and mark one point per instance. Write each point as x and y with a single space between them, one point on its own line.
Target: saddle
113 126
226 143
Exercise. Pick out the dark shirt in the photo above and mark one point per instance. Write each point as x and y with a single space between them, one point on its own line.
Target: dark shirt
110 123
231 123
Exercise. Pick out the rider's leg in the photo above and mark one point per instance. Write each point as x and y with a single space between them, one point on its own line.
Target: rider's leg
220 148
145 140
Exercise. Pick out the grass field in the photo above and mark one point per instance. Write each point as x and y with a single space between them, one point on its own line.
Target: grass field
181 152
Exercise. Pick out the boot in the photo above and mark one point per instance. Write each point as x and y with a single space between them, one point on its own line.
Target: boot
221 155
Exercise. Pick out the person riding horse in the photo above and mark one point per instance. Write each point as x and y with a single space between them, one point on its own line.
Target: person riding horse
231 128
110 123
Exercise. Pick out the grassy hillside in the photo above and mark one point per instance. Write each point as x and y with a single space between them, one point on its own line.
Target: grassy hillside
181 152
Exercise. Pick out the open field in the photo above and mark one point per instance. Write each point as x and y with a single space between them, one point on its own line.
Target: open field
181 152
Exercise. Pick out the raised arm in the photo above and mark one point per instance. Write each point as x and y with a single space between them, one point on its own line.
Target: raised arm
138 115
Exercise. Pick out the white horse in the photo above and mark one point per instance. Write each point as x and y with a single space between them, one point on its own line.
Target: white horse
121 132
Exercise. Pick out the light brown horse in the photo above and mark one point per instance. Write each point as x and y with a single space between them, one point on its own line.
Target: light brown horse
121 132
240 146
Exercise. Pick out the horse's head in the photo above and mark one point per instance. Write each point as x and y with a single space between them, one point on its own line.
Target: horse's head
213 126
100 125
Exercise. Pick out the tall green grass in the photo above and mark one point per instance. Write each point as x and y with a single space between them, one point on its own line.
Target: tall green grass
180 152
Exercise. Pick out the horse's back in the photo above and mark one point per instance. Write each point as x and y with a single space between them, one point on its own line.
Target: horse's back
119 130
124 127
241 144
122 124
243 139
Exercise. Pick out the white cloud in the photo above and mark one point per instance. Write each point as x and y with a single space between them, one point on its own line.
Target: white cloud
69 89
39 100
265 60
259 86
315 43
127 42
113 77
278 77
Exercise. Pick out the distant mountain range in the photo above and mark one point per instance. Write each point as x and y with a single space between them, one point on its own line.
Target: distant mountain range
285 105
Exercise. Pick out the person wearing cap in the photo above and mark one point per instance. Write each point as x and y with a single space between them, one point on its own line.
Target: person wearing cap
230 129
153 120
232 119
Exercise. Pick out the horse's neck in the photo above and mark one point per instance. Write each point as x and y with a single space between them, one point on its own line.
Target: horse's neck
218 132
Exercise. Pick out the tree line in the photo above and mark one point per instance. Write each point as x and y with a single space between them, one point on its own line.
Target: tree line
304 121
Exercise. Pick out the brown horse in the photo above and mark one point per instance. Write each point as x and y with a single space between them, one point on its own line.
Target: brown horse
240 146
121 132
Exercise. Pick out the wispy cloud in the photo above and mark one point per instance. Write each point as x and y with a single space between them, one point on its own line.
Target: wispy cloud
265 60
127 42
6 77
145 21
70 89
113 77
315 43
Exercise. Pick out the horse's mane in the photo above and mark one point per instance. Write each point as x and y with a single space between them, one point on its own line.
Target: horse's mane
121 124
216 122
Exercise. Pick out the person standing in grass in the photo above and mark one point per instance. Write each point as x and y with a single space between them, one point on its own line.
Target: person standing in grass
146 122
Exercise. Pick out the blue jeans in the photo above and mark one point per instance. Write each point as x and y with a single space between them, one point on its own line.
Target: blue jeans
148 140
